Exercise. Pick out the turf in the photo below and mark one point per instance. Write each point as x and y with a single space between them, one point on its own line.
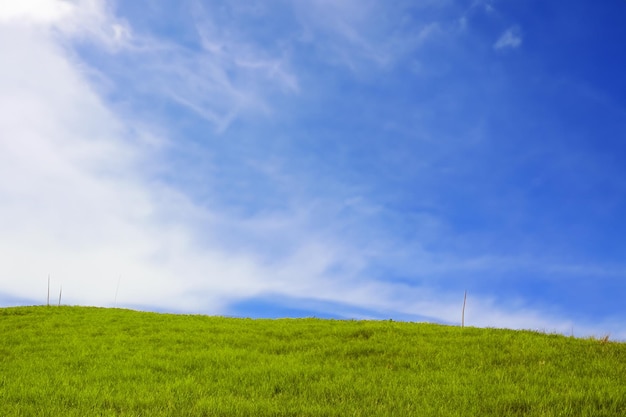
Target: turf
77 361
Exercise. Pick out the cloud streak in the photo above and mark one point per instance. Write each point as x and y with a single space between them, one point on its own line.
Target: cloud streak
510 39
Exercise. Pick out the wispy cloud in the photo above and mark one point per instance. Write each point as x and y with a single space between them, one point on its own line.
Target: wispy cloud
228 65
359 34
510 39
486 5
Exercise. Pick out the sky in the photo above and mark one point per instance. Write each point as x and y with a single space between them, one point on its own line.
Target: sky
352 159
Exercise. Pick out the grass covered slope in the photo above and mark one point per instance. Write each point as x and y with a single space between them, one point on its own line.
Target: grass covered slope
75 361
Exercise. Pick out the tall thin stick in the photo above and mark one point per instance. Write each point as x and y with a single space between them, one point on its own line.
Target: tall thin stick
60 292
116 290
48 300
463 312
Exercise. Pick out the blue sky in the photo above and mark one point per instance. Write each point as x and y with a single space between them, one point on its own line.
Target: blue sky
351 159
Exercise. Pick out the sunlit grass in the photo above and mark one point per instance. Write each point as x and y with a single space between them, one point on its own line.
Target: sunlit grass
74 361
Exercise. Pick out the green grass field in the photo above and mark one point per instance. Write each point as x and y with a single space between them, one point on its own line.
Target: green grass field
76 361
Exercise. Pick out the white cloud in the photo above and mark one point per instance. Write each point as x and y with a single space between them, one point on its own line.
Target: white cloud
39 11
71 196
90 19
511 38
76 204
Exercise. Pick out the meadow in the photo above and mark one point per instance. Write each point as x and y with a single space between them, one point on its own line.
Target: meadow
79 361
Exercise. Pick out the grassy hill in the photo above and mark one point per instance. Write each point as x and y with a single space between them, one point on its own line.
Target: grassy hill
75 361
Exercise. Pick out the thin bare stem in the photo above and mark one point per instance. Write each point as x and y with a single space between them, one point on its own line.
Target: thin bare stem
117 288
463 312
